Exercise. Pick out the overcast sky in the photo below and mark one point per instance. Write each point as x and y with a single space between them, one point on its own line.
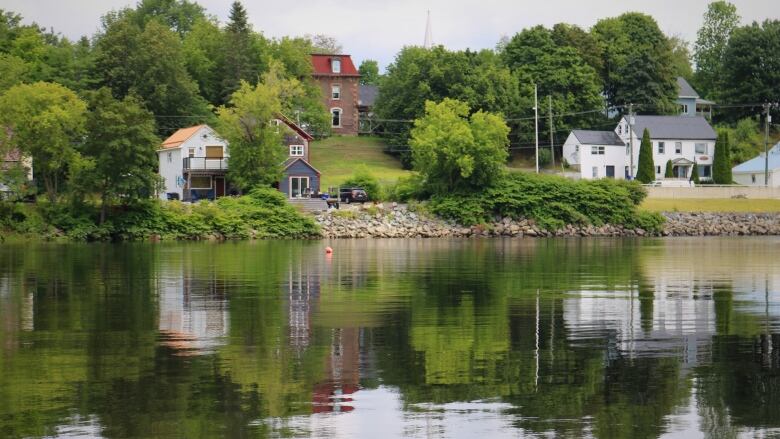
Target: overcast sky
377 29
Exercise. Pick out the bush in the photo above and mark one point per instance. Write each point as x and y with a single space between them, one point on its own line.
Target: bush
363 178
407 188
545 157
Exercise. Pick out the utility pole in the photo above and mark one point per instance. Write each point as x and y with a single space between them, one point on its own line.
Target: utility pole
552 147
536 125
631 140
767 121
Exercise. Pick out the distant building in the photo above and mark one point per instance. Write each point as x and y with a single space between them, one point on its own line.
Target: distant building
366 101
751 173
339 80
683 140
689 101
12 159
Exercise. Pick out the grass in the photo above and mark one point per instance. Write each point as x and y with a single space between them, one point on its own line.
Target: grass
336 157
710 205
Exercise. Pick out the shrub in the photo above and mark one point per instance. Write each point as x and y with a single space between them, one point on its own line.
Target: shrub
362 177
407 188
545 157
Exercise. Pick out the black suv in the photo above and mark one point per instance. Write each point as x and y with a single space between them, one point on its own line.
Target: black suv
353 195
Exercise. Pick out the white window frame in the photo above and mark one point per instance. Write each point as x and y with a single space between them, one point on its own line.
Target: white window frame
297 150
696 148
211 182
290 186
678 147
191 153
661 147
595 171
684 108
335 92
335 65
597 150
341 115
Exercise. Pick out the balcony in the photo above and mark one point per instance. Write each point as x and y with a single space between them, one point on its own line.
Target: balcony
205 164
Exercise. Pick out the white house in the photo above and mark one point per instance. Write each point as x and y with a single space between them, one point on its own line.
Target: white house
193 163
683 140
751 173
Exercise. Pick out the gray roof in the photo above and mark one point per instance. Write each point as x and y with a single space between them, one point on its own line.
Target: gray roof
684 89
674 127
598 137
756 164
368 94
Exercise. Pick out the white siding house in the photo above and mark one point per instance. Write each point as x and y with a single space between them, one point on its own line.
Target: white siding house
596 154
193 158
751 173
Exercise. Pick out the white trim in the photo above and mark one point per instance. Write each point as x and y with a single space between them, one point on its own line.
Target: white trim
332 93
289 184
341 115
303 151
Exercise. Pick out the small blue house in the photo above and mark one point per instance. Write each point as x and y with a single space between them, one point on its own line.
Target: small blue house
299 179
689 101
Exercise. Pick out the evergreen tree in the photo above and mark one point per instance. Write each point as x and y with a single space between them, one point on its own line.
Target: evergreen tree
695 173
238 64
721 166
646 170
669 171
727 159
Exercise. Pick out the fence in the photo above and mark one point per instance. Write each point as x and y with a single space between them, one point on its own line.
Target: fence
714 191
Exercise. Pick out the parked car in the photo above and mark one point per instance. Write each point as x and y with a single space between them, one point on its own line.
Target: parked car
353 195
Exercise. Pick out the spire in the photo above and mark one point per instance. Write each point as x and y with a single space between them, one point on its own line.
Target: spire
428 35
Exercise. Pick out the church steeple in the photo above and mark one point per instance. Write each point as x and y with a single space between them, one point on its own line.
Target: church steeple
428 34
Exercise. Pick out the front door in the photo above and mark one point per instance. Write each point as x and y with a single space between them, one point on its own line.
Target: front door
299 186
610 171
219 186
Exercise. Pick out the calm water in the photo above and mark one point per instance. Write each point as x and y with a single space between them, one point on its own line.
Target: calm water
392 338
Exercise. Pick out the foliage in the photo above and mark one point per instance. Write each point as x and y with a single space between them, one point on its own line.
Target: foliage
255 153
13 70
713 36
550 200
44 121
408 188
455 152
15 178
695 173
681 57
645 168
638 65
669 172
746 140
241 52
369 72
362 177
121 145
418 75
545 157
721 166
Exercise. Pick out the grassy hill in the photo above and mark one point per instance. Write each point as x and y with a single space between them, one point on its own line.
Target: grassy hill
336 157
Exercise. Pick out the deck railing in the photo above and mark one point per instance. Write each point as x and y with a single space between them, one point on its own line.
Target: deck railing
205 164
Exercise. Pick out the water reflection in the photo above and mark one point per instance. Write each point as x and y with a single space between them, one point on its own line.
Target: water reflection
412 338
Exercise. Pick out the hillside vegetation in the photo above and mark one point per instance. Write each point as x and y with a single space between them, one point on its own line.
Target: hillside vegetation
337 158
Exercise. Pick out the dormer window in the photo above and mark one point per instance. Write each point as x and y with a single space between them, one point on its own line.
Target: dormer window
335 65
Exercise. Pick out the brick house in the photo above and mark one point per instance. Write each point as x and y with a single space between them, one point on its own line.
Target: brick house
339 81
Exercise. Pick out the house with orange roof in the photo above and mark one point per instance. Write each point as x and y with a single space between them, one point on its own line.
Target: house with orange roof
193 163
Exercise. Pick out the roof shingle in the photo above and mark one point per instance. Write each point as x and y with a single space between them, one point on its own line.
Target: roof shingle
598 137
674 127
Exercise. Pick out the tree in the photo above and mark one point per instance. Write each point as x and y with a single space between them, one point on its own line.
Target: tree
180 15
455 152
569 35
243 52
713 37
369 72
322 43
638 63
121 145
203 53
44 121
13 70
256 152
669 173
681 57
721 166
695 173
645 168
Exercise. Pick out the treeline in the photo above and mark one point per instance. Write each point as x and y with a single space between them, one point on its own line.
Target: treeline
586 76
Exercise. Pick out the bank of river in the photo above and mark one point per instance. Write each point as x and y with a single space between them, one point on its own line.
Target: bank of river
395 220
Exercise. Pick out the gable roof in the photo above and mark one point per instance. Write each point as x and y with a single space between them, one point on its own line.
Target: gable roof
684 89
180 136
368 94
674 127
321 64
756 164
598 137
290 161
294 127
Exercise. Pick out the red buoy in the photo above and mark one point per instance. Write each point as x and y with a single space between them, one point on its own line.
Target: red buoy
328 250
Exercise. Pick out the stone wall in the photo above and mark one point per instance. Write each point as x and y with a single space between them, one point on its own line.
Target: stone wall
398 221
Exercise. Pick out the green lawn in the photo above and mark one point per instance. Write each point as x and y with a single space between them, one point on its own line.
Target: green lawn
336 158
711 205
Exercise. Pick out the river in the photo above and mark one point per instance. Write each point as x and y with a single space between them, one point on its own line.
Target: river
490 338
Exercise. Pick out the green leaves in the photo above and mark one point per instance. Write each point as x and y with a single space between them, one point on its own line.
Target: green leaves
645 168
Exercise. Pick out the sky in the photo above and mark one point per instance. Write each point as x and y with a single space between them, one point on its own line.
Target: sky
378 29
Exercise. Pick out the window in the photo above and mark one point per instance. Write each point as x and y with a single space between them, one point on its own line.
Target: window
335 65
678 147
753 178
661 147
192 152
705 171
335 91
296 150
620 129
576 148
214 152
597 150
595 172
658 170
170 157
200 182
684 109
335 117
701 148
626 173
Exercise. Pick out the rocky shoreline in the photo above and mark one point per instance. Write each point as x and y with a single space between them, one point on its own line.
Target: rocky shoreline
393 220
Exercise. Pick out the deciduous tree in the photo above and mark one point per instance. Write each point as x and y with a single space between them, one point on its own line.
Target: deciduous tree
713 37
369 72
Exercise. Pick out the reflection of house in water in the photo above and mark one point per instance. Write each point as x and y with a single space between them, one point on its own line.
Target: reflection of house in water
342 371
303 292
193 312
